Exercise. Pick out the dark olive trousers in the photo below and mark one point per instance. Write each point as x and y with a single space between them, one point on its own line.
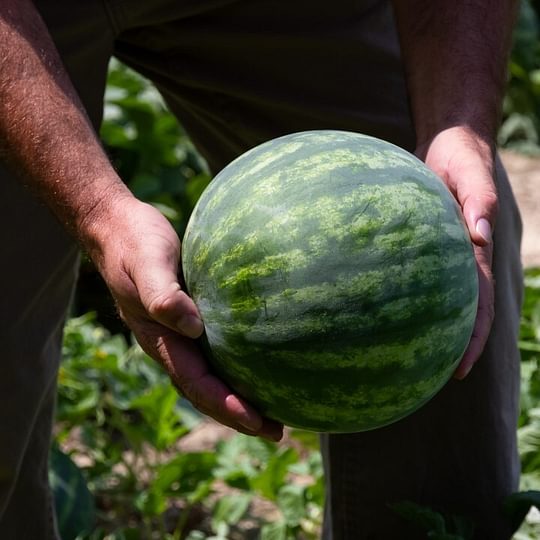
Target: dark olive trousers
237 73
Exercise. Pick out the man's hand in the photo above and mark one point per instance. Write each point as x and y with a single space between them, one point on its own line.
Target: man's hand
465 163
133 245
456 77
137 252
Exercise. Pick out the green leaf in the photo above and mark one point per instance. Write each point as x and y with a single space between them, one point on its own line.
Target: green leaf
221 530
529 346
73 501
201 491
272 478
308 439
529 443
241 459
151 503
196 535
274 531
195 187
461 526
185 473
230 509
158 408
291 500
517 506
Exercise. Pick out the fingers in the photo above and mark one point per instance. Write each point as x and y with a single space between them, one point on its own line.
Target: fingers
464 161
160 293
485 314
479 205
471 179
167 304
140 264
189 372
478 198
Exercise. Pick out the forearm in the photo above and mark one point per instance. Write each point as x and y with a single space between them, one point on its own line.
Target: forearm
45 134
455 56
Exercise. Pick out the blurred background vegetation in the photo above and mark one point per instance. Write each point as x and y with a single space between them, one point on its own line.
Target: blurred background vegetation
122 466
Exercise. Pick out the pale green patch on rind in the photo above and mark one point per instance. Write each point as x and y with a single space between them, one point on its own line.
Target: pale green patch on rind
333 220
389 289
268 266
263 198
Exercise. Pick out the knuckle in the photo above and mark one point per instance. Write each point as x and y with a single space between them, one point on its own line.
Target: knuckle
490 312
491 202
190 391
159 306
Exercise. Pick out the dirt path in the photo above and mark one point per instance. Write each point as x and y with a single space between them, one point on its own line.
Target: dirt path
524 173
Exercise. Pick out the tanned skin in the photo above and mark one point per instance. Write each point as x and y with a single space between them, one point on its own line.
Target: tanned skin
456 84
47 138
455 56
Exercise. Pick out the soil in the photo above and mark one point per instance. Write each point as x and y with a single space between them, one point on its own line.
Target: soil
524 174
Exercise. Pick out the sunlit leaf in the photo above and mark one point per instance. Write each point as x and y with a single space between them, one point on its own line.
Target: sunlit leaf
230 509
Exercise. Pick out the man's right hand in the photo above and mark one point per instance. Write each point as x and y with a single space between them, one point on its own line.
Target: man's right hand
132 244
137 252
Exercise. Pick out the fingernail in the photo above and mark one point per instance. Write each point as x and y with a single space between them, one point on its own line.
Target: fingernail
243 414
191 326
462 372
483 228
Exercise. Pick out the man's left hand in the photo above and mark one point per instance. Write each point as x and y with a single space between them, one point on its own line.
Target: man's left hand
465 162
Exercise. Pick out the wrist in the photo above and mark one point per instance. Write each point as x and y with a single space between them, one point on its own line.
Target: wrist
465 135
456 75
96 218
480 130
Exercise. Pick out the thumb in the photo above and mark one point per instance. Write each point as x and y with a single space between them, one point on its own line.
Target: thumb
165 301
478 198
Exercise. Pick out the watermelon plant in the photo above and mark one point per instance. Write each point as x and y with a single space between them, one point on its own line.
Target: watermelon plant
521 112
335 278
120 467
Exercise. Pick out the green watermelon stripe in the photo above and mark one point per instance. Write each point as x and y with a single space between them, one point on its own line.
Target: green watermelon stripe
338 150
364 291
300 261
360 387
295 335
335 278
288 316
378 199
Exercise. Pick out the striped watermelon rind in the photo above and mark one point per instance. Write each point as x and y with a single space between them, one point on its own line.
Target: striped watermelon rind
335 278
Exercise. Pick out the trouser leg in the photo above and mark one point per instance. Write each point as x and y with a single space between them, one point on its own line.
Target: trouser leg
458 454
237 73
39 267
38 273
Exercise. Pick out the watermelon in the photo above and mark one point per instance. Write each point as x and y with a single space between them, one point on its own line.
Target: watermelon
335 279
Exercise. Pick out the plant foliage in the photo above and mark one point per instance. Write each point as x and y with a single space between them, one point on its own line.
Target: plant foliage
121 421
